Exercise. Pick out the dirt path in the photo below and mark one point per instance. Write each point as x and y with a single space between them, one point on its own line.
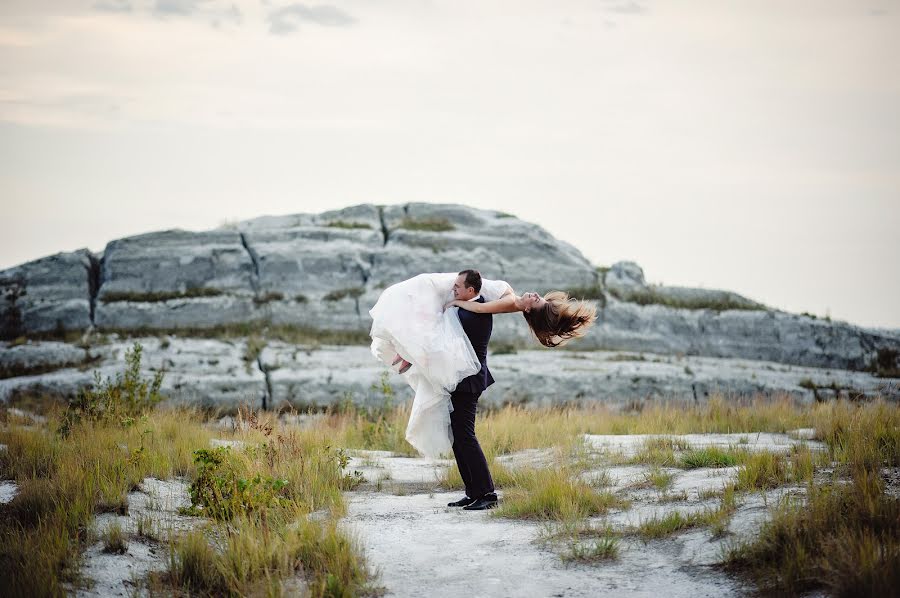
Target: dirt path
422 548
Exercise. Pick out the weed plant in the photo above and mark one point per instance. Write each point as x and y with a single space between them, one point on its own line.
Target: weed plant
842 537
86 459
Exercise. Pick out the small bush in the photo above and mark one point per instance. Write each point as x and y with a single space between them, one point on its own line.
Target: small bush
717 519
120 400
434 225
222 492
194 565
602 549
553 494
339 294
252 351
711 457
595 293
114 539
658 479
843 538
652 296
157 296
347 225
268 297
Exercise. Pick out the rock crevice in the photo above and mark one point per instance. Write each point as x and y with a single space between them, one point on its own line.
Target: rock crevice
254 259
93 268
267 396
385 232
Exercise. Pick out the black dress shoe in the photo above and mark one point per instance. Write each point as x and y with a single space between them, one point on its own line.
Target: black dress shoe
488 501
461 502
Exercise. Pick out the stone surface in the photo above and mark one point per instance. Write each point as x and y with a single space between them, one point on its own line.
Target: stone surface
625 276
8 491
322 273
631 444
156 505
36 357
46 294
420 546
225 374
423 548
202 372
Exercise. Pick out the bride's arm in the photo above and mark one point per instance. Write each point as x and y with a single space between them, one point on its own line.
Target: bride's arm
504 305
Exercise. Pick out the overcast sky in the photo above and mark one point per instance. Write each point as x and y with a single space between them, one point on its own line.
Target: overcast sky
752 146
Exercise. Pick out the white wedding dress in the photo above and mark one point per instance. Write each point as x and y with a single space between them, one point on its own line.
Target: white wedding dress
409 319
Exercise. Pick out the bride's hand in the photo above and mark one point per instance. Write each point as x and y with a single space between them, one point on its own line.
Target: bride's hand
453 303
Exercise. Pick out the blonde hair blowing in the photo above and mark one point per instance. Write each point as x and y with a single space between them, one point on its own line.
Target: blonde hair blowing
561 319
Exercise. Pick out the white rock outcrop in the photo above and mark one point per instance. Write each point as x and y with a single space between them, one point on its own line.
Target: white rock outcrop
319 274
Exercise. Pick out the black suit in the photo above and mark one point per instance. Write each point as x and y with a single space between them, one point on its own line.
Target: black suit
469 456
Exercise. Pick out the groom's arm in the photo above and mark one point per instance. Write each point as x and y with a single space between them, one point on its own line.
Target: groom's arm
504 305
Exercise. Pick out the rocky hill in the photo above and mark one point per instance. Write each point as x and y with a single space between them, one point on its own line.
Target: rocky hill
312 278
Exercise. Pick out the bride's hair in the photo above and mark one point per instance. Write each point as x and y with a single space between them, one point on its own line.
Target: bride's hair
561 319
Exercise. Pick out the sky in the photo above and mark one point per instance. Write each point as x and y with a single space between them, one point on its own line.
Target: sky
749 145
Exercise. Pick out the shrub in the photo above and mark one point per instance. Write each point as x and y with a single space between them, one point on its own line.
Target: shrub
434 225
222 492
712 457
652 296
339 294
157 296
120 400
844 538
268 297
114 539
345 224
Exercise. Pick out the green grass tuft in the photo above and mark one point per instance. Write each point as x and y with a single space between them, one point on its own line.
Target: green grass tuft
157 296
712 457
114 541
348 225
553 493
434 225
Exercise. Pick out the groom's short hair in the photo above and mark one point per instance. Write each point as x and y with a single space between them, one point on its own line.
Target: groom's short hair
473 279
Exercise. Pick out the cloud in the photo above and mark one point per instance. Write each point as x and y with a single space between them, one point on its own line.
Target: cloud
113 6
176 7
286 19
216 12
629 7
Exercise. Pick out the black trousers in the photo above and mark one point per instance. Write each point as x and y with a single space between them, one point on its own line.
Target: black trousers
469 457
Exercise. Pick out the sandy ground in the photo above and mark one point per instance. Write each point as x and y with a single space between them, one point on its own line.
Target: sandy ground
157 502
420 547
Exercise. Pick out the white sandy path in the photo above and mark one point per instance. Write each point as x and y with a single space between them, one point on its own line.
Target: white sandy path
422 548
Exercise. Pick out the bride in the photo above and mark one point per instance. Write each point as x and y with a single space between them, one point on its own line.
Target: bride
415 324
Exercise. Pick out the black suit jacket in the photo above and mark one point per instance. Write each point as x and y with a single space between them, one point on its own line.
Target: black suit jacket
478 328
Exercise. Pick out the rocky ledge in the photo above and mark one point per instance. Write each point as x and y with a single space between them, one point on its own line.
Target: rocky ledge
222 374
315 276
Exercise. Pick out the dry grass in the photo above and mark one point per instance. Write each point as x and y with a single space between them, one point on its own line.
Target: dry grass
553 493
114 540
83 462
64 481
716 518
844 536
260 497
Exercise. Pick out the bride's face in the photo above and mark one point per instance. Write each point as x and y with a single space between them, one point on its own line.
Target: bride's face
532 301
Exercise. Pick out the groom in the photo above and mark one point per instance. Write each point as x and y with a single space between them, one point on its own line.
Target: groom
470 459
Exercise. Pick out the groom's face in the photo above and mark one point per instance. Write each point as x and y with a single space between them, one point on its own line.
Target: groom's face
460 291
